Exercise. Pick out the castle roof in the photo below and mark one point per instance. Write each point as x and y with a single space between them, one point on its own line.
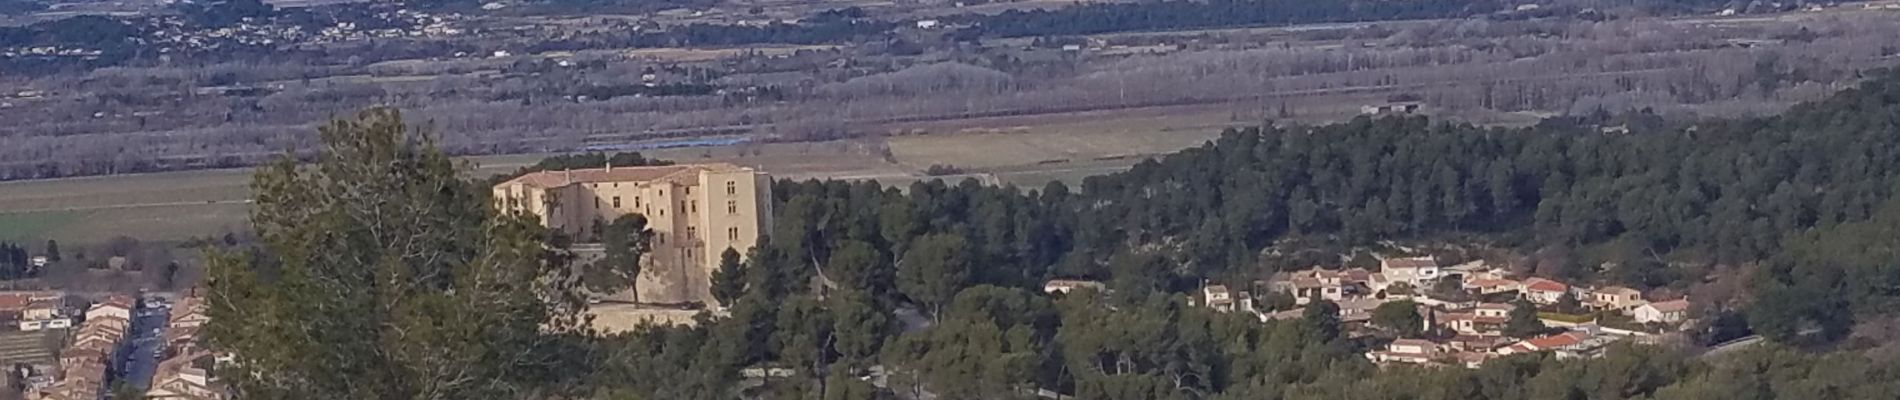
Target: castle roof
682 174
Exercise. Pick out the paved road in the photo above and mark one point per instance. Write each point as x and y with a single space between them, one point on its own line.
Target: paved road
146 340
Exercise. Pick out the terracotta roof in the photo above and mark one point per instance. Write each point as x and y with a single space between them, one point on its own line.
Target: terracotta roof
1415 342
1556 341
1217 289
1671 306
122 301
674 173
15 302
1545 285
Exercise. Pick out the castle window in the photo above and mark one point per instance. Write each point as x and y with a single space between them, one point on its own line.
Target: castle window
732 187
596 203
692 232
695 206
732 207
616 201
689 190
732 233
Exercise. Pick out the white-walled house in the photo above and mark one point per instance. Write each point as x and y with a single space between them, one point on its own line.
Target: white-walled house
1417 271
1672 311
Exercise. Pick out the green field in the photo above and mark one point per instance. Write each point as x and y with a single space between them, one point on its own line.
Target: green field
33 226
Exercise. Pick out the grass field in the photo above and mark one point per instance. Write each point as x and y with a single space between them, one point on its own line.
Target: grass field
1026 151
22 227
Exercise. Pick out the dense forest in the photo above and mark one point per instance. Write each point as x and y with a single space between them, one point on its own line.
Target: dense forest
1807 194
866 292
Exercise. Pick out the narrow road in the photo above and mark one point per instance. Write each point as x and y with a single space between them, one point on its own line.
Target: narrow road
147 340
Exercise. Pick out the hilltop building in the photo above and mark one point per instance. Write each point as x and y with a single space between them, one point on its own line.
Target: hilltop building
696 212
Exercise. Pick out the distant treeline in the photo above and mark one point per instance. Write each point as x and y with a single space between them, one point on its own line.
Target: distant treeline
1168 15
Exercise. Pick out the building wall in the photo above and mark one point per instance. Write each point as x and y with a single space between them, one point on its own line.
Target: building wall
694 218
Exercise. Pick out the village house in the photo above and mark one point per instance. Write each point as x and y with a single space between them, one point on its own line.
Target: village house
1321 284
1567 341
1668 312
1218 298
41 310
116 306
179 378
1490 286
1410 351
1473 323
1545 291
1477 343
1613 298
1416 271
1065 286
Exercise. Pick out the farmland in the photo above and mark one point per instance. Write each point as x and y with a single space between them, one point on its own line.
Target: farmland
175 206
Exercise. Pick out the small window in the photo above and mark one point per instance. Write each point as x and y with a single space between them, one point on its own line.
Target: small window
682 206
732 207
616 201
732 187
596 203
636 201
689 190
695 208
692 232
732 233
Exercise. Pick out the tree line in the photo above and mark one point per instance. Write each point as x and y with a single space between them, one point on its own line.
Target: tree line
15 262
1098 18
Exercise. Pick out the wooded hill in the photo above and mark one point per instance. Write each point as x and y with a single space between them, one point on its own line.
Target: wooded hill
935 289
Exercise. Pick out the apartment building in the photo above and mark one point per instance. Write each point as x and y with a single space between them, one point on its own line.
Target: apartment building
696 212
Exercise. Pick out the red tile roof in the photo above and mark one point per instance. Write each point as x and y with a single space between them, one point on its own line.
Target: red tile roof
1545 285
1556 341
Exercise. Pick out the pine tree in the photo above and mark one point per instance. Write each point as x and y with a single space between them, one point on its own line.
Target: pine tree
383 274
728 283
